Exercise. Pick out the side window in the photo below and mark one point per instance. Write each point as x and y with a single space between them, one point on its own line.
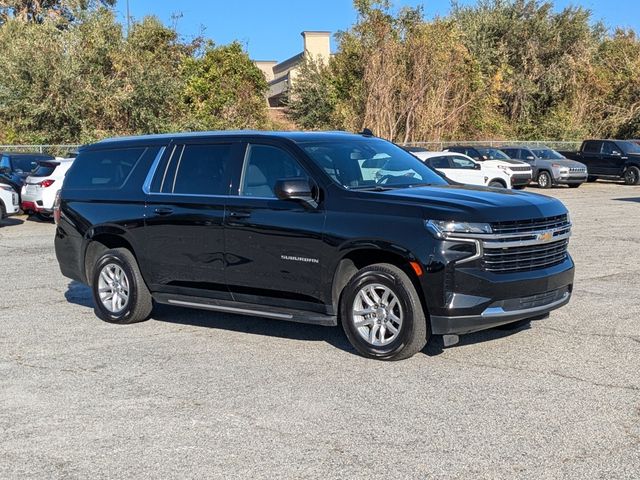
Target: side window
264 166
592 147
439 162
103 168
4 162
510 152
200 170
608 148
462 163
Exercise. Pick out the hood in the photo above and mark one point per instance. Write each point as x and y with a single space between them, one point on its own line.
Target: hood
495 163
474 204
565 163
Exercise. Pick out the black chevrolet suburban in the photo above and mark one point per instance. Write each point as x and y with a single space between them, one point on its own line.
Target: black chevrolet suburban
321 228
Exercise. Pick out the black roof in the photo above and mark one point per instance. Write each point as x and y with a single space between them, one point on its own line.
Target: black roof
297 137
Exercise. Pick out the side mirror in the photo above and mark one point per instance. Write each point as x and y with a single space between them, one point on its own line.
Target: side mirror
531 158
296 189
477 166
616 153
5 170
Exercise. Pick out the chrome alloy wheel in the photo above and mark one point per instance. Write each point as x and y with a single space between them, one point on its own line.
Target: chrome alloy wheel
377 314
113 287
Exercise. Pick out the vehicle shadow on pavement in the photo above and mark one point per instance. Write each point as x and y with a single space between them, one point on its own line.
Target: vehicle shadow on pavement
436 345
9 222
253 325
80 294
629 199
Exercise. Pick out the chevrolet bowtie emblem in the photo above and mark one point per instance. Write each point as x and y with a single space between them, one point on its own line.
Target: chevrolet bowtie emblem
545 237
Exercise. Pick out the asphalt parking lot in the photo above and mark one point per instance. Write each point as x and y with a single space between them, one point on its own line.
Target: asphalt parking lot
192 394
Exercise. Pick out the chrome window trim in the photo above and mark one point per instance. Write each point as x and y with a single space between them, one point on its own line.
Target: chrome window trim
175 177
166 168
146 186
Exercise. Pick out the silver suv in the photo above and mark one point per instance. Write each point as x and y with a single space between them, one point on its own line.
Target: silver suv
550 167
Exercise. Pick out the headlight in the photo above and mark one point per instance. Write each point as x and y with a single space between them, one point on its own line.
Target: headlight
505 168
440 228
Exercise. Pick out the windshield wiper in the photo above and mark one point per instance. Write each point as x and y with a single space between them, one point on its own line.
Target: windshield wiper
373 188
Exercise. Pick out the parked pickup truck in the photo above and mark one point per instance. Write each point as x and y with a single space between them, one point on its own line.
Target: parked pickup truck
609 159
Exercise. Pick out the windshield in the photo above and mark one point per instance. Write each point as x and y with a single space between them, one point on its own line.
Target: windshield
24 164
493 154
370 163
629 147
547 154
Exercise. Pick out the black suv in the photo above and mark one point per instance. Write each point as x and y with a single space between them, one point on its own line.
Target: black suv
320 228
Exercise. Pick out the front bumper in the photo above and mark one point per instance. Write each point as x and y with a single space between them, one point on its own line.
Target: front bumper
570 179
518 180
494 316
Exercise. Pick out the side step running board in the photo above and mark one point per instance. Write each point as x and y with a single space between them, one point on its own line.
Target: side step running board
299 316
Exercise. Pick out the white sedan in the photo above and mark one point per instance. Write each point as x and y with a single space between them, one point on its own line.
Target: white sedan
463 169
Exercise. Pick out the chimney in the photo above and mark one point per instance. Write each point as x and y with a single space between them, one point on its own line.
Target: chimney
317 45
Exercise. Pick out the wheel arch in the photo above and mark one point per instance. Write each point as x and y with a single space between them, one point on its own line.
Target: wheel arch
99 240
498 180
363 256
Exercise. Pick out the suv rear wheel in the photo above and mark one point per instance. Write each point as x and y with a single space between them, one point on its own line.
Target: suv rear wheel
119 292
382 315
632 176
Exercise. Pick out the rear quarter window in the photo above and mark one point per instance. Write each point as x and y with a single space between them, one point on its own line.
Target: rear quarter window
103 169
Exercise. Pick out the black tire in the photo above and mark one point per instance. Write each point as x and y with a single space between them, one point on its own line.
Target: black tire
497 184
574 185
519 187
139 305
412 335
591 179
3 211
545 180
632 175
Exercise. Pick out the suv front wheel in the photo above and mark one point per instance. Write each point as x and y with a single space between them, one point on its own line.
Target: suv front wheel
382 315
119 292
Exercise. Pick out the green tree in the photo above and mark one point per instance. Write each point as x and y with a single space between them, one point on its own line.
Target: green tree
311 102
224 89
39 11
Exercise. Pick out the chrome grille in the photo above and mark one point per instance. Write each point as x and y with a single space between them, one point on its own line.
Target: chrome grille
533 225
577 170
519 169
525 245
527 258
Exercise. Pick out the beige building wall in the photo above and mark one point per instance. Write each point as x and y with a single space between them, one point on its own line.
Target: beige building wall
281 76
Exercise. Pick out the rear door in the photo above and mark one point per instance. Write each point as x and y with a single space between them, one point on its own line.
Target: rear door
184 218
273 247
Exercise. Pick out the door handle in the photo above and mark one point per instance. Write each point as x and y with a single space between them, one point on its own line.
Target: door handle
239 215
162 211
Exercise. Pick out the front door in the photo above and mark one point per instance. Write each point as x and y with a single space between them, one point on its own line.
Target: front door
612 162
273 247
185 219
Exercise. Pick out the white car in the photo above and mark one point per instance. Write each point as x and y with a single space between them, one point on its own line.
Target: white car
40 188
463 169
9 203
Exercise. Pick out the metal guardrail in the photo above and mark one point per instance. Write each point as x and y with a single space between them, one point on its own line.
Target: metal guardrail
556 145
